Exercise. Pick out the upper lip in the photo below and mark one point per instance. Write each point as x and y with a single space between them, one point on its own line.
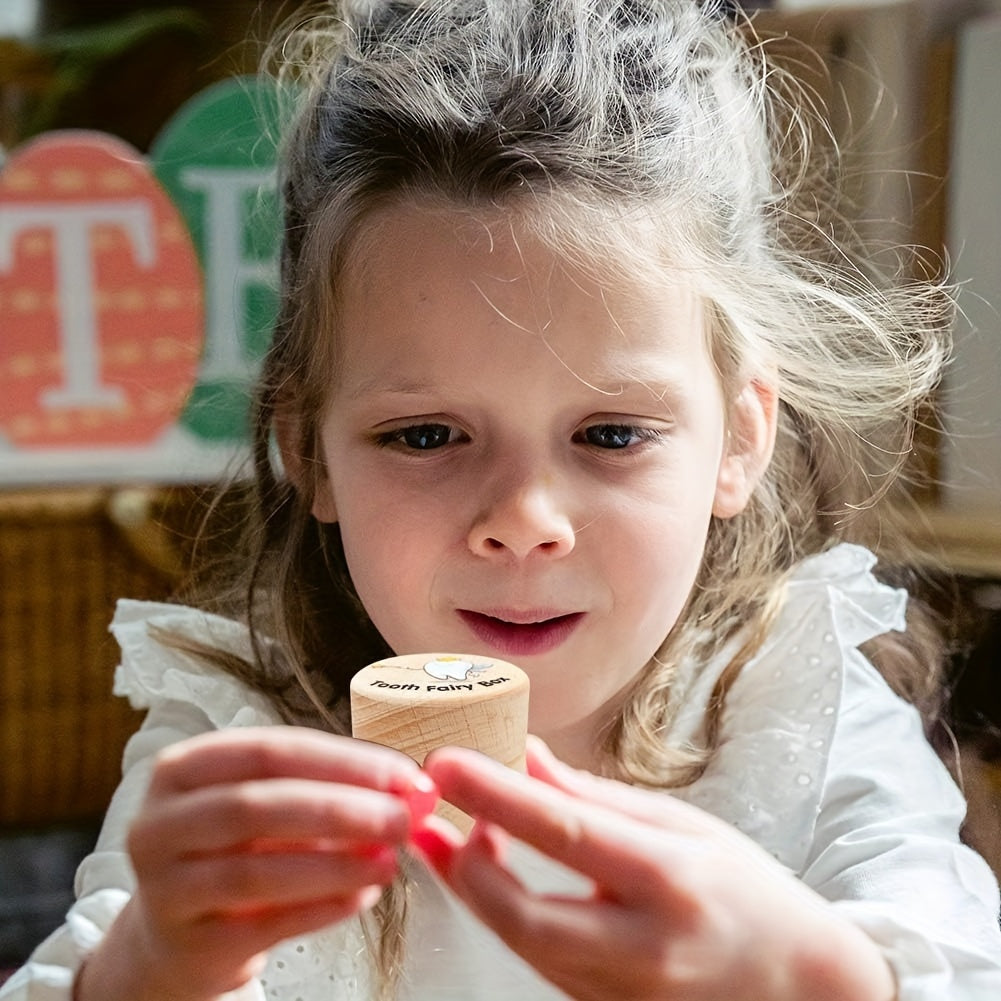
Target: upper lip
520 617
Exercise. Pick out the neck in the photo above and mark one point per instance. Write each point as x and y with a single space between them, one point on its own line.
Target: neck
579 745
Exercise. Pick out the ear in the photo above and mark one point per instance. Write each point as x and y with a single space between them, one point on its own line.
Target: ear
749 446
310 482
324 508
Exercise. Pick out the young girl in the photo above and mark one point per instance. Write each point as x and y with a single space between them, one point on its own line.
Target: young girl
569 371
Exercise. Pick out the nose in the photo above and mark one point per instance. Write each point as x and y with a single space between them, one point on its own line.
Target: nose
522 520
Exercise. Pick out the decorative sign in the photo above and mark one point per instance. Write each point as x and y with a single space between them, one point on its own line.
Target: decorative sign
100 293
136 297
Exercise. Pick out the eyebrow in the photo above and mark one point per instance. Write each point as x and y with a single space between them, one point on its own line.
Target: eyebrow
615 378
618 380
402 387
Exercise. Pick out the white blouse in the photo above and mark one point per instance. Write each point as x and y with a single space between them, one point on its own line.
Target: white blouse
819 762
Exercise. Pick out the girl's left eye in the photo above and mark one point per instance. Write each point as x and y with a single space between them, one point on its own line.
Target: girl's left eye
615 436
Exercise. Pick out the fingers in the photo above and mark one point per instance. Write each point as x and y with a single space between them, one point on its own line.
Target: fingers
587 836
275 790
283 785
241 754
254 884
650 807
677 896
259 931
437 842
583 945
541 763
275 811
262 830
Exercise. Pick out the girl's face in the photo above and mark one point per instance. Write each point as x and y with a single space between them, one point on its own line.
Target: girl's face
524 463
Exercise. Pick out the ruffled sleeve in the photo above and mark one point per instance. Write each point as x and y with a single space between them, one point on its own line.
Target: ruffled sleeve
826 768
781 713
154 671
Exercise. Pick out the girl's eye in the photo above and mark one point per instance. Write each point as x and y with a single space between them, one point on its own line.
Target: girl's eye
420 437
614 436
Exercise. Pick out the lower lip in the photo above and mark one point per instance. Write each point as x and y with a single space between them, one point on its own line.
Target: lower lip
515 639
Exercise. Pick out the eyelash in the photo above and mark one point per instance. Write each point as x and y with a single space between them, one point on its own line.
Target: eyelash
637 435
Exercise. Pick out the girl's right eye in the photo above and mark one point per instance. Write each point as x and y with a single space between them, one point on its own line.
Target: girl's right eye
420 437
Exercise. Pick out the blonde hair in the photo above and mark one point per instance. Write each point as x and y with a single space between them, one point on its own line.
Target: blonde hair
594 123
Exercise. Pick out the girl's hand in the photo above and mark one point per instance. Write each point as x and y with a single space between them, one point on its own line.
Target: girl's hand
683 906
248 837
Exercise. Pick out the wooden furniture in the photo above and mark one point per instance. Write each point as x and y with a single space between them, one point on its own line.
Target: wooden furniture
66 556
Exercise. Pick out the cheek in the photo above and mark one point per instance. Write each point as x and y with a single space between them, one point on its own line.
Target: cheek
381 553
393 558
659 558
659 576
382 582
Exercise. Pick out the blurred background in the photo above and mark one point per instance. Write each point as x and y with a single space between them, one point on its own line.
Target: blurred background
88 516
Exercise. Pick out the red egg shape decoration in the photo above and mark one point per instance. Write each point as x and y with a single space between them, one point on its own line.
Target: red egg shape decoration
101 315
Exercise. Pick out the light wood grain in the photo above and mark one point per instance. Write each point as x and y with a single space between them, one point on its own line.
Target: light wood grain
419 702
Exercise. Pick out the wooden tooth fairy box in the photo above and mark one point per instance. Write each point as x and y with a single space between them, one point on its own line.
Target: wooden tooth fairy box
419 702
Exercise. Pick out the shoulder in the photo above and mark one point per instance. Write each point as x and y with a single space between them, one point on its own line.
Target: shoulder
785 718
834 599
156 669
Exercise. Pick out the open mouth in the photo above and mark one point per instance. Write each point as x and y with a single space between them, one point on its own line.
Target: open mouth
521 639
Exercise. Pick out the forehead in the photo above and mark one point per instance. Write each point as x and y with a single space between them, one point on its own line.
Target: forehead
622 251
417 267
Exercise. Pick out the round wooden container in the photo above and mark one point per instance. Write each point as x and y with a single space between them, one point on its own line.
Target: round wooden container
418 702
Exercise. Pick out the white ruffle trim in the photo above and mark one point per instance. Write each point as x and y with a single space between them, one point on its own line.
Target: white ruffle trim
780 715
150 671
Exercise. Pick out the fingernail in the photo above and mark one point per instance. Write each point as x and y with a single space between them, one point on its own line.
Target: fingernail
422 797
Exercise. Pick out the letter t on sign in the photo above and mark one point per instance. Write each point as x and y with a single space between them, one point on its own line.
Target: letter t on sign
71 226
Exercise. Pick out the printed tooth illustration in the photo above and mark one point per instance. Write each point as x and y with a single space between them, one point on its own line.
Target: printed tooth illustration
453 668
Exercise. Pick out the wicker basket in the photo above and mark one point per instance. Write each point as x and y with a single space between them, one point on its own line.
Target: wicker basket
66 556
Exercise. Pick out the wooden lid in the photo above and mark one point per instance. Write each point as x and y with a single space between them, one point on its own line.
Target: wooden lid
418 702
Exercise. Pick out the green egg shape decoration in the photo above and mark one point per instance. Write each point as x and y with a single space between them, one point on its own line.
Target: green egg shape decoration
217 159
